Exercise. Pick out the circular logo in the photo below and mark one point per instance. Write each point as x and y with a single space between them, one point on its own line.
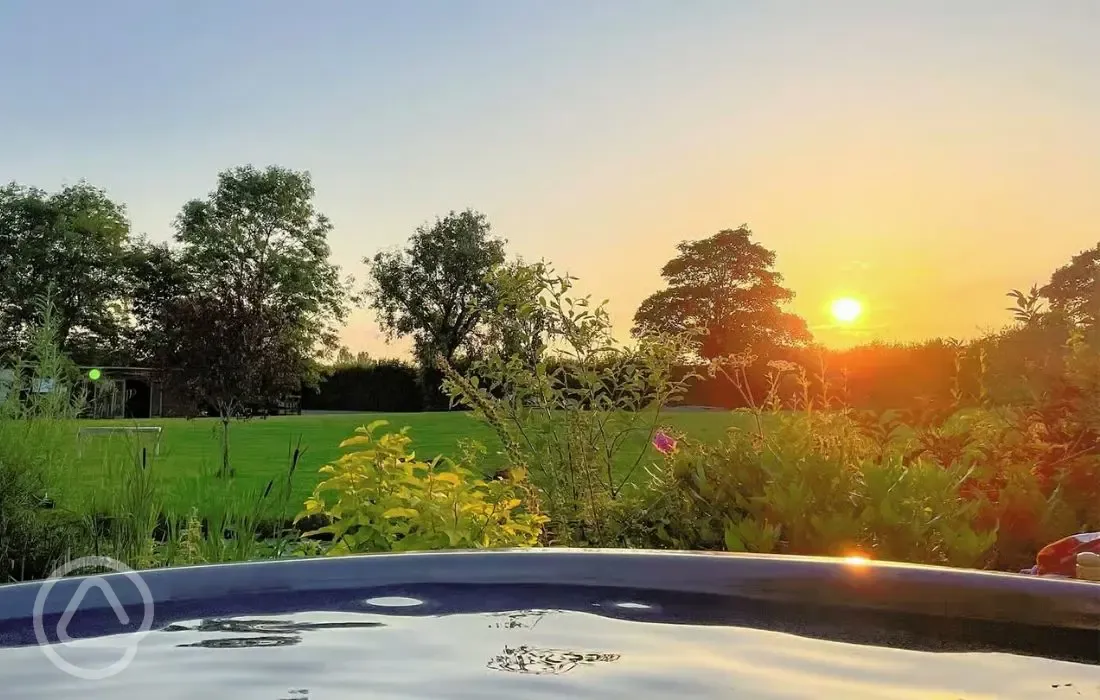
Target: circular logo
128 642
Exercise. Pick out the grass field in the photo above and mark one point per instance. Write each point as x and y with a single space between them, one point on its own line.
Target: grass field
190 453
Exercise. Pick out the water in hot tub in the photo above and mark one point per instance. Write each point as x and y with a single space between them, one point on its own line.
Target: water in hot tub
521 654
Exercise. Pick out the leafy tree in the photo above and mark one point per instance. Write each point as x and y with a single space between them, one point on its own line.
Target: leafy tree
229 355
725 289
258 242
156 280
258 245
437 289
1074 288
71 246
240 314
515 326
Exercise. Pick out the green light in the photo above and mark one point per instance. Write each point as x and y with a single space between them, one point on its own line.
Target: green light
94 375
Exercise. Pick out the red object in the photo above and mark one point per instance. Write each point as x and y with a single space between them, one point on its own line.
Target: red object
1060 558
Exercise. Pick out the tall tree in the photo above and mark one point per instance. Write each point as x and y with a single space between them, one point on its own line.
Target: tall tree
1074 288
258 242
723 287
69 245
437 288
257 249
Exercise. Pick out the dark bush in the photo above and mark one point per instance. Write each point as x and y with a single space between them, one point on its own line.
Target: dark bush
388 386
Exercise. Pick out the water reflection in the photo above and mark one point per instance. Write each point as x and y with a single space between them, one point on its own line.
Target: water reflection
539 662
268 633
520 619
244 642
472 656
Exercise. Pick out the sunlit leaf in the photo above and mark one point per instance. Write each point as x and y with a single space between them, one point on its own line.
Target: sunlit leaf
400 513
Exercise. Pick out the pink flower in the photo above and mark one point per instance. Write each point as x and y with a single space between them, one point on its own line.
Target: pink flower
664 443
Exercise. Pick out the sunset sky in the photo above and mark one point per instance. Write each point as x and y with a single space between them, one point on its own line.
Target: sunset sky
921 157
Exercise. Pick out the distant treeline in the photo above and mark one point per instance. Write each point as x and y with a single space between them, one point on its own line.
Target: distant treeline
879 376
1000 369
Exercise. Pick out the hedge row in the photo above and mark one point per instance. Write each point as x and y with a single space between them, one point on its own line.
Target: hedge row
385 386
876 377
394 386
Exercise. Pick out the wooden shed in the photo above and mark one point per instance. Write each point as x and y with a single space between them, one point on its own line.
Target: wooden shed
129 392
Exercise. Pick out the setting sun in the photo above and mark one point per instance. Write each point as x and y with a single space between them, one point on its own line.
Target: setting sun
846 310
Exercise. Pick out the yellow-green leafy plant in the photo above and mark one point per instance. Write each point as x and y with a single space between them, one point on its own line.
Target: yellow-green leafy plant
379 497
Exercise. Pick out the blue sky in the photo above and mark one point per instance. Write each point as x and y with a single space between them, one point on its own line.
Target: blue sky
872 144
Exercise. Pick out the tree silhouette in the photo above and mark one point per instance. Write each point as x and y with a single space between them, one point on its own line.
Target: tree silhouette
1074 288
723 287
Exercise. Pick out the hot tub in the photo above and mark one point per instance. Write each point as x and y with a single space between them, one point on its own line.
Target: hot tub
551 623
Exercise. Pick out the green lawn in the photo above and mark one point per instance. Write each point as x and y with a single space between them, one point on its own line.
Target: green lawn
190 453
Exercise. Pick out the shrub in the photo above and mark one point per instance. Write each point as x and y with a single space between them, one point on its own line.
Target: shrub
945 484
812 483
579 417
38 407
378 497
1041 474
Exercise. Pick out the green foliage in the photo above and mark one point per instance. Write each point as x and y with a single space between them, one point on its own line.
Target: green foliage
946 484
514 326
725 289
71 244
190 541
813 483
134 509
570 417
1028 308
157 281
262 296
258 242
367 385
41 399
379 497
132 524
250 298
39 404
437 289
345 358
